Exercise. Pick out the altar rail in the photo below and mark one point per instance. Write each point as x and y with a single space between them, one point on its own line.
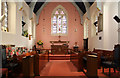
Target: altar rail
52 51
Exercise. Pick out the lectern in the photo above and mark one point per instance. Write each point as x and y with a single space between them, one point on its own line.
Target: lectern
92 66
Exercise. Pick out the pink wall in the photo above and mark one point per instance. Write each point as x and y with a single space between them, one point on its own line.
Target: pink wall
43 31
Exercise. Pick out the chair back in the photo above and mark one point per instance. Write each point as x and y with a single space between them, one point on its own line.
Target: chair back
117 54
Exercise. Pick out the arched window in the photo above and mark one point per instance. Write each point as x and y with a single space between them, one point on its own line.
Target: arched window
5 11
59 21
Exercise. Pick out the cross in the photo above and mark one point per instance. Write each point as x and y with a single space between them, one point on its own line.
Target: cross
59 37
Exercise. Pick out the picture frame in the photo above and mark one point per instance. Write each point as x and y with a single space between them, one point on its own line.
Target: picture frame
100 23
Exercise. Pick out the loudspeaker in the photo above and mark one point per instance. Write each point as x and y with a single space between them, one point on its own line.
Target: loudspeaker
117 19
95 23
23 23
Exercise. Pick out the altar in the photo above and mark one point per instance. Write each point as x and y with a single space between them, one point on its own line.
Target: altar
59 47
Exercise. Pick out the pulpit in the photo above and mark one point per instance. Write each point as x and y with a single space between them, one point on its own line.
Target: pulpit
59 47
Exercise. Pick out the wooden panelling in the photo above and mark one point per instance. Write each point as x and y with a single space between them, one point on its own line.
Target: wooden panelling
77 60
27 66
59 49
92 66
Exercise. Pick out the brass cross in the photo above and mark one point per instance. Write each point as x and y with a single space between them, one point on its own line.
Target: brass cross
59 37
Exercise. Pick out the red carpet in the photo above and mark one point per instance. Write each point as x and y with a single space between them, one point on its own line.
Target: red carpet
65 69
60 68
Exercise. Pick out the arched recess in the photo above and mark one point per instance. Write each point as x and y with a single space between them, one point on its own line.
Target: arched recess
86 25
94 18
59 19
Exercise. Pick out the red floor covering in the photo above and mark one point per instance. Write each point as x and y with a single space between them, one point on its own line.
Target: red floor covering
60 68
65 69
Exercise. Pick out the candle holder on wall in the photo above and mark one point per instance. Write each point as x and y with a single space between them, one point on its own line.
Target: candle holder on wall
21 8
30 37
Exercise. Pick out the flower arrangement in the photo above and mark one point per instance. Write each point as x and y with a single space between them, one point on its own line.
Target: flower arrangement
39 43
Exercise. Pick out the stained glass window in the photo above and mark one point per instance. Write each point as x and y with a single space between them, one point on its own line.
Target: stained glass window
5 11
59 22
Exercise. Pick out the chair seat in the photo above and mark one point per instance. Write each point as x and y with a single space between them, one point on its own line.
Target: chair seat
109 64
84 58
13 64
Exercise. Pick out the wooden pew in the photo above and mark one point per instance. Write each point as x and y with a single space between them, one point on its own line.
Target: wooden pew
40 60
27 66
77 60
103 53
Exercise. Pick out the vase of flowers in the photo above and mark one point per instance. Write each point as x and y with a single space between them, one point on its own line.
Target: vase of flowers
40 44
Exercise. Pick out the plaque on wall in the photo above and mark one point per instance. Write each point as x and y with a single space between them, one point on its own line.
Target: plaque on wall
100 23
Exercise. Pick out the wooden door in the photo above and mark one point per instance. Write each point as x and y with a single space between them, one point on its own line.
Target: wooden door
86 44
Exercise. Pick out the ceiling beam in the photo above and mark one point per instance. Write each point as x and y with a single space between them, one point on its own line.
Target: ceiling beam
87 6
32 5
